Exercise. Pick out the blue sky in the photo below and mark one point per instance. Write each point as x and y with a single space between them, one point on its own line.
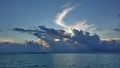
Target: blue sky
32 13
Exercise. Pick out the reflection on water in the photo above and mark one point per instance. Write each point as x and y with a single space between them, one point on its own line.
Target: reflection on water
60 61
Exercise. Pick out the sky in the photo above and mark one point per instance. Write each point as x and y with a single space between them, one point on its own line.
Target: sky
101 15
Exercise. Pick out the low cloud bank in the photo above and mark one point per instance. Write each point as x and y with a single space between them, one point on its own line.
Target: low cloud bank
59 41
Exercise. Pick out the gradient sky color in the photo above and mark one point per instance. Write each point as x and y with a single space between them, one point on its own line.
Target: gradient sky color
32 13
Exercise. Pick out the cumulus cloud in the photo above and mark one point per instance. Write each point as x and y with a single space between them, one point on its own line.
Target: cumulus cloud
82 25
58 41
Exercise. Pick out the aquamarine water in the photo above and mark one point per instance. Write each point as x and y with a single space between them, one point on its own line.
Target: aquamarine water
60 61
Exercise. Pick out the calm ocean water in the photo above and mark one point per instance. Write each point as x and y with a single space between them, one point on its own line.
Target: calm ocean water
60 61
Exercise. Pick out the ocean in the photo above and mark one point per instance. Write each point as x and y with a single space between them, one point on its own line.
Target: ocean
59 60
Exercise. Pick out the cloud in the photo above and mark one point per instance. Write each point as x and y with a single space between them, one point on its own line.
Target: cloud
6 40
19 29
109 39
60 16
61 42
66 5
117 29
0 30
82 25
26 30
42 31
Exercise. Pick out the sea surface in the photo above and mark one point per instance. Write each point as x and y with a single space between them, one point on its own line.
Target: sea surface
59 60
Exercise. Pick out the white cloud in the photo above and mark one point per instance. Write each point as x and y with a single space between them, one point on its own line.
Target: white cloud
60 16
82 25
66 5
